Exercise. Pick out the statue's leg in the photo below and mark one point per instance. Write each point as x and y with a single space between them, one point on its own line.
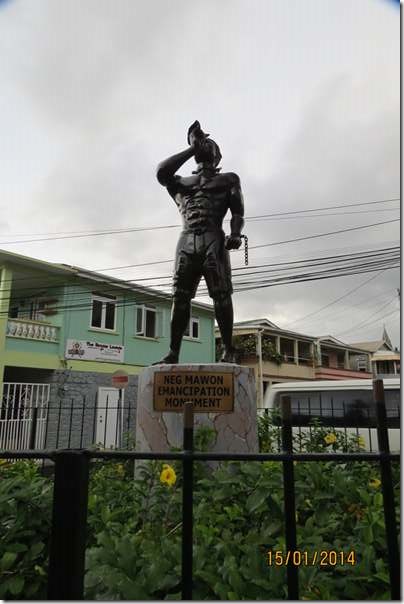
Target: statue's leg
187 275
217 273
180 315
224 318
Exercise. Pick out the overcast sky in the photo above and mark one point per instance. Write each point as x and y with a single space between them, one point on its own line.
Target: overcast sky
301 95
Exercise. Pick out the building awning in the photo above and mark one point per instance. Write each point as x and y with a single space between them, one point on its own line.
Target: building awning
391 356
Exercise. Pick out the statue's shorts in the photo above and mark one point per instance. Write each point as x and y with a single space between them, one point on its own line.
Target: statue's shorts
202 254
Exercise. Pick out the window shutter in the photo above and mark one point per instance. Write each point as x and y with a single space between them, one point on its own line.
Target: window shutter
139 320
150 323
160 323
195 328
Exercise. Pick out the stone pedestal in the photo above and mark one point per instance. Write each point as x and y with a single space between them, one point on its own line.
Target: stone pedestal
236 431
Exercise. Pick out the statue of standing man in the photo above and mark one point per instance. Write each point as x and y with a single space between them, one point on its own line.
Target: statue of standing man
202 250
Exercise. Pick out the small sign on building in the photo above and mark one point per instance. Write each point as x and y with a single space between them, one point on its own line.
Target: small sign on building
120 379
210 392
85 350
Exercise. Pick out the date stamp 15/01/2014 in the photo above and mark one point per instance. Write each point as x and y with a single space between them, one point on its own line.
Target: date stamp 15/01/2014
306 558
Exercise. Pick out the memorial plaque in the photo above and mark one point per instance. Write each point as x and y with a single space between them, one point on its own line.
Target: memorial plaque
210 392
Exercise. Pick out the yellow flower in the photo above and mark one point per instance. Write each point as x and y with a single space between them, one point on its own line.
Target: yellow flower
168 475
374 483
361 441
330 438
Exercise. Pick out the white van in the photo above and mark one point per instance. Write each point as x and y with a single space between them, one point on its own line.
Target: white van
341 404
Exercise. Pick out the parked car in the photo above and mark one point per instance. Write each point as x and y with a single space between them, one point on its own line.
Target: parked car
342 404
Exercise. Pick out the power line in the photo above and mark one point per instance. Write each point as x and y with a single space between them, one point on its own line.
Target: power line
93 233
355 289
379 255
113 268
116 231
365 226
74 276
369 316
334 315
325 215
354 330
335 207
342 271
299 278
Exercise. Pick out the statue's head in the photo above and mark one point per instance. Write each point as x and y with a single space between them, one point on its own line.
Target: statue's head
207 150
208 153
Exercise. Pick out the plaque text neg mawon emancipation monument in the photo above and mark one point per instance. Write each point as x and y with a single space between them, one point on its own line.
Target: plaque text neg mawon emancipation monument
223 394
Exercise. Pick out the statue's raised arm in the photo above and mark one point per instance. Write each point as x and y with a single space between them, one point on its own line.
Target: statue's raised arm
168 167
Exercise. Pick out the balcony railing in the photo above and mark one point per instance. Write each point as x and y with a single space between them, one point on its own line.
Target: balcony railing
32 330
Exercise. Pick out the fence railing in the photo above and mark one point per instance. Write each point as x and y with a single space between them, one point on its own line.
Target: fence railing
81 424
70 496
23 415
349 417
32 330
64 424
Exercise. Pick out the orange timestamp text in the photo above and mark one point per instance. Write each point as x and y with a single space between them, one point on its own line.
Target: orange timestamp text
306 558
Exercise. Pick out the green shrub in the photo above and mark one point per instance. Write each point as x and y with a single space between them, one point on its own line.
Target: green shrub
25 519
134 528
238 518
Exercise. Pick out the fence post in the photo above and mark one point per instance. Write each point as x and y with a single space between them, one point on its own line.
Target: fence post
33 426
289 498
69 518
187 503
387 490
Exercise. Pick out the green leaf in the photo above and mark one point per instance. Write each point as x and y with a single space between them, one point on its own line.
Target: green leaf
8 560
378 499
255 499
367 534
16 585
36 549
383 577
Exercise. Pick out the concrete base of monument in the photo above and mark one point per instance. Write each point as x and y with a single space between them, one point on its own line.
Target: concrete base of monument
220 385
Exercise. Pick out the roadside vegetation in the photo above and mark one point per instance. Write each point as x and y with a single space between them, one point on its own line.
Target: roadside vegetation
134 528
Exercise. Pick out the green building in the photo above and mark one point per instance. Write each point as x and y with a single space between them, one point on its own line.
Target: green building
63 332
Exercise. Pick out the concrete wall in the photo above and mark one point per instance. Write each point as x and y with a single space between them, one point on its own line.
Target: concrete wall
72 412
73 408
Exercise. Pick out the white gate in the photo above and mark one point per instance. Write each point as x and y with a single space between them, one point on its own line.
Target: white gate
109 417
17 412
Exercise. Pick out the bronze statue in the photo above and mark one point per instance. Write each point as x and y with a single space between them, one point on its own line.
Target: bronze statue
202 250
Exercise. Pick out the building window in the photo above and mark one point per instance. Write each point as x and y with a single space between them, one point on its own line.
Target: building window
103 313
13 313
287 350
146 321
304 353
192 330
341 360
362 363
30 310
325 360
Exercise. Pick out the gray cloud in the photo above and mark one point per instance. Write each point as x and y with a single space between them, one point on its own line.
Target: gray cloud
303 99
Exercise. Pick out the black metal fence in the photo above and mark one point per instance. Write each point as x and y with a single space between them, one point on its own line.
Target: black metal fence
67 549
78 424
355 418
68 424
